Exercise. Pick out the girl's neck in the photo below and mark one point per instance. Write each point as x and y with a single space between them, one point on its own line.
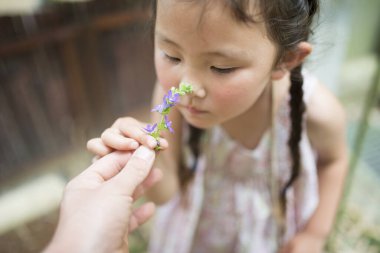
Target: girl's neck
249 127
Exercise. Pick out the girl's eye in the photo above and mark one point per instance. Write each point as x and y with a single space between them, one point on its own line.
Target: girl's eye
223 70
173 59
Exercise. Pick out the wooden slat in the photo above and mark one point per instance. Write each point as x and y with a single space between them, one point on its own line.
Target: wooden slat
78 100
98 24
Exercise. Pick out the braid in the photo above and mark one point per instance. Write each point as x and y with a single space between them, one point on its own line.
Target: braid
313 7
185 173
297 108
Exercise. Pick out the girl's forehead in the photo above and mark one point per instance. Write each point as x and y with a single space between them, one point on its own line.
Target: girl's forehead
210 17
178 26
250 8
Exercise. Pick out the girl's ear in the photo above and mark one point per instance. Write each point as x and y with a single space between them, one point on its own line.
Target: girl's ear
291 59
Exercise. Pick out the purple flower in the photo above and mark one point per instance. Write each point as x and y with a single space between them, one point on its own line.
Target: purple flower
168 101
168 124
159 108
150 128
171 99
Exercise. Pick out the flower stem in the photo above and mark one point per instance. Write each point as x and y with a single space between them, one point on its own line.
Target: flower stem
169 101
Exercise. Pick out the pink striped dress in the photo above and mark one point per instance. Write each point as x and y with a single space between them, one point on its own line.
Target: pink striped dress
229 203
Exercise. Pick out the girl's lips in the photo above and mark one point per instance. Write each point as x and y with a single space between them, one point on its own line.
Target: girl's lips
193 110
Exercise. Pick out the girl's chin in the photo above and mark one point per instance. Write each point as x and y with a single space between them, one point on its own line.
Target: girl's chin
199 123
199 120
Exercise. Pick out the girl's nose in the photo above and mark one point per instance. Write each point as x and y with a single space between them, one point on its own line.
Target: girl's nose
198 90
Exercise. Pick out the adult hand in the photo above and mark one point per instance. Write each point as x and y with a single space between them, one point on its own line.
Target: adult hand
96 211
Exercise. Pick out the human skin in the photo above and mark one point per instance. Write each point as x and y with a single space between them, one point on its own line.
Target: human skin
96 213
234 92
228 63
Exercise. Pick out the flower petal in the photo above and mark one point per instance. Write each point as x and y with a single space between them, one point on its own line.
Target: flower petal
150 128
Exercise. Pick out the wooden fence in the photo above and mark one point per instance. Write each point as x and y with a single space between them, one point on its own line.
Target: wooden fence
68 72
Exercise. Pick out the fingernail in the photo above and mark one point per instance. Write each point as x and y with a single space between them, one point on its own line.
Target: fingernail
134 145
144 153
152 142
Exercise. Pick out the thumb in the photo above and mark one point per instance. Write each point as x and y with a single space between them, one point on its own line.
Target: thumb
134 172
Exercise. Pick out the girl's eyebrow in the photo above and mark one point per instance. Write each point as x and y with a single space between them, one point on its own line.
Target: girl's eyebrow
165 39
228 53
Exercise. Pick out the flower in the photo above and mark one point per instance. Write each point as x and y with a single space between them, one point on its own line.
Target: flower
150 128
168 124
159 108
168 101
171 99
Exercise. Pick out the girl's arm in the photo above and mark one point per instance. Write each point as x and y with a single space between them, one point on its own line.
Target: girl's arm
168 159
326 129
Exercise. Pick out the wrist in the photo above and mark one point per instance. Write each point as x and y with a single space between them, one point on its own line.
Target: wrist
61 245
318 233
318 228
70 241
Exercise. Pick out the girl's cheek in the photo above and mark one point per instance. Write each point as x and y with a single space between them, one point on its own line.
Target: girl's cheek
166 74
225 94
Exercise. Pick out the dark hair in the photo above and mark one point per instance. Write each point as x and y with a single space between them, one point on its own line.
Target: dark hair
288 23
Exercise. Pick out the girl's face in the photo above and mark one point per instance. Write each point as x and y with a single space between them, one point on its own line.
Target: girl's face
229 63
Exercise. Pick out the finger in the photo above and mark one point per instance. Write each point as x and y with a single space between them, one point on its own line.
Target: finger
134 129
125 120
154 176
134 172
95 158
163 143
114 139
98 147
136 132
141 215
108 166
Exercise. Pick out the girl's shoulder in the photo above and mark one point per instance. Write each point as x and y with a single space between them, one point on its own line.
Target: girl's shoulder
323 107
325 120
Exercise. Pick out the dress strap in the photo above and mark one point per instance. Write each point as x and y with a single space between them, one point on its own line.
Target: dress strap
274 172
309 84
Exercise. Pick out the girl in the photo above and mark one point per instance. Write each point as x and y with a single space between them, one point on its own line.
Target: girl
258 159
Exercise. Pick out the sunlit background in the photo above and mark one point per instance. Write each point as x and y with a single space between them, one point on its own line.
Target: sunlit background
69 68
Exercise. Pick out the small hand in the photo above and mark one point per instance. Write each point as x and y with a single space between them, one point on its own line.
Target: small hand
304 242
125 134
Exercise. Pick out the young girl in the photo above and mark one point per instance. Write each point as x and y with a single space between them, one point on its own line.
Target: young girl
258 157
